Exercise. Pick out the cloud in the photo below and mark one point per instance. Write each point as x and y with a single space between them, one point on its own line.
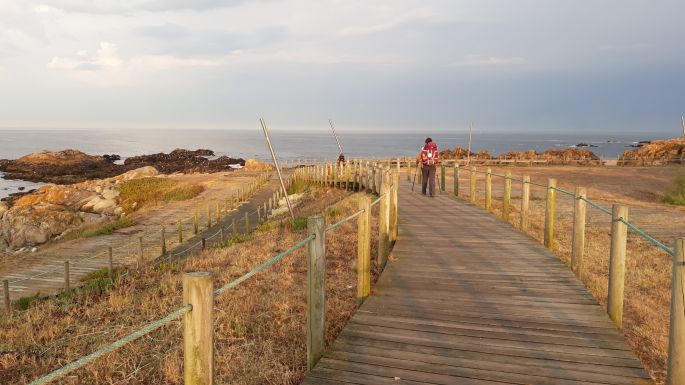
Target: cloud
484 61
414 17
114 7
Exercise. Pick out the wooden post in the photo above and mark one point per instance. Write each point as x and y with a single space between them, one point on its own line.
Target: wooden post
195 223
409 171
394 220
442 177
209 217
198 329
617 263
549 213
456 179
578 245
473 185
316 287
141 258
364 250
234 227
203 243
6 295
163 241
383 222
525 199
110 263
506 207
374 180
223 233
488 189
67 283
218 213
247 223
676 335
180 232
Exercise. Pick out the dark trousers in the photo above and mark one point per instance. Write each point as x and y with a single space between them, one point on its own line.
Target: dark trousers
428 179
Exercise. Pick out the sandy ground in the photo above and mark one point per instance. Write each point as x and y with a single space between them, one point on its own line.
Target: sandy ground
90 254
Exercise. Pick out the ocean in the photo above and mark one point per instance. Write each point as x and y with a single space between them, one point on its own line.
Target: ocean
291 145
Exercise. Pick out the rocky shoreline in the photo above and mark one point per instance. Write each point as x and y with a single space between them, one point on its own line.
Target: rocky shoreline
73 166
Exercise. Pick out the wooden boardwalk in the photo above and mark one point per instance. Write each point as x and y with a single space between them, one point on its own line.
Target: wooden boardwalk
467 299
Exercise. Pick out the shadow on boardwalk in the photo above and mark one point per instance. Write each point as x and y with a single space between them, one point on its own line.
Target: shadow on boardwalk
466 299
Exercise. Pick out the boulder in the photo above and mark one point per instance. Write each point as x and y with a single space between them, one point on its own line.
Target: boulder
657 149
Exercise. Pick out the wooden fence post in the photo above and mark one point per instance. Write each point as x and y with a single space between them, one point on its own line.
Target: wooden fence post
456 179
110 263
374 186
223 233
488 189
198 329
409 171
316 287
364 250
617 263
6 295
442 177
676 335
67 283
196 223
525 199
163 241
203 243
180 232
506 206
473 185
383 221
247 223
234 227
578 245
141 258
209 216
394 219
549 213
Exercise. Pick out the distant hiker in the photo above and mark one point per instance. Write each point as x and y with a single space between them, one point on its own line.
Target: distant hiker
341 159
429 158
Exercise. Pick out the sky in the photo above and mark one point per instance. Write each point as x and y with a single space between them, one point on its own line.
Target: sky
396 65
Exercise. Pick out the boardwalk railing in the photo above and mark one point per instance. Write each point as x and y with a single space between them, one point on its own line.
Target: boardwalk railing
199 294
618 246
155 244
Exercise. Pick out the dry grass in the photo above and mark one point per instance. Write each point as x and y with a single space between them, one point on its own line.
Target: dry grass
259 325
648 269
137 193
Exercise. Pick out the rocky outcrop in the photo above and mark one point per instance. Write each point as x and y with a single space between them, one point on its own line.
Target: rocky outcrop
71 166
54 210
62 167
657 149
462 153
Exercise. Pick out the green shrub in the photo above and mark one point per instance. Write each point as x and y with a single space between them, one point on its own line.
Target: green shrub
331 212
677 194
24 303
300 223
236 239
297 187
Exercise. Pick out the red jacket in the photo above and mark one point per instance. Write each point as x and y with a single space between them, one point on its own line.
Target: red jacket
429 154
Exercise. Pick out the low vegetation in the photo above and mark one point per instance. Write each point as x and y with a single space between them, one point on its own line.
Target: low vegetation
676 196
137 193
259 326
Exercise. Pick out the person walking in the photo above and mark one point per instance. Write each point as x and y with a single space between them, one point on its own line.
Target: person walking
428 158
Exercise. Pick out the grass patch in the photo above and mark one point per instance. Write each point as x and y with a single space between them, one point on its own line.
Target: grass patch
677 194
234 240
300 223
24 303
109 227
138 193
297 187
331 212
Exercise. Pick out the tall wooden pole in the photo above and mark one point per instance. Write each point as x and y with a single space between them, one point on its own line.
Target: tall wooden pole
278 169
525 199
617 263
198 329
676 335
550 213
578 245
364 249
316 287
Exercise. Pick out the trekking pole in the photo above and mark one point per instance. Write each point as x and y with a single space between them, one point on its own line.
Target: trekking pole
415 173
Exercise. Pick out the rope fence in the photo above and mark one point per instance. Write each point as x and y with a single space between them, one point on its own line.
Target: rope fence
199 358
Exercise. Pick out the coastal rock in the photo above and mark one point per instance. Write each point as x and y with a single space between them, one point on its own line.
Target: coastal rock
463 153
657 149
52 210
184 161
71 166
68 166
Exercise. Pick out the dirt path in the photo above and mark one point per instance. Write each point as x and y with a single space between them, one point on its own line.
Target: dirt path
43 271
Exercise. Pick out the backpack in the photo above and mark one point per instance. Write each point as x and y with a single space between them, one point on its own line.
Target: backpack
430 154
